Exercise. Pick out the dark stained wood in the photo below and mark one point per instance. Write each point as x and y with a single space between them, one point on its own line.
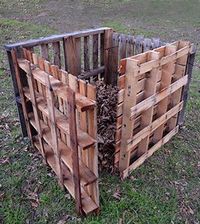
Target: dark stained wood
44 51
86 54
16 91
92 73
56 54
73 56
190 63
54 38
109 75
95 51
21 94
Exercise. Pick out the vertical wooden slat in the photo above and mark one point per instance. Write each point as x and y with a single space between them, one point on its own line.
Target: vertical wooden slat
86 54
78 55
72 55
147 116
176 97
93 150
21 93
129 101
122 46
83 118
56 54
17 95
114 60
35 108
109 79
139 44
74 148
53 127
95 51
166 78
44 51
189 69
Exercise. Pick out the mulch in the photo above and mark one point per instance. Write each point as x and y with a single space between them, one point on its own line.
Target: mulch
106 124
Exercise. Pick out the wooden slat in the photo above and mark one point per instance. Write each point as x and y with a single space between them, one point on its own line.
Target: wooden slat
166 79
74 147
95 51
54 136
21 93
122 46
71 56
147 115
86 54
54 38
35 110
44 49
109 79
93 151
56 54
127 125
189 69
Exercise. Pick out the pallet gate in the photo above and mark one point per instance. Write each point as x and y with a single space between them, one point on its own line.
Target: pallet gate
57 103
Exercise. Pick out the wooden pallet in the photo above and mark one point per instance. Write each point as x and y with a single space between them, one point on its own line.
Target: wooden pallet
52 105
149 101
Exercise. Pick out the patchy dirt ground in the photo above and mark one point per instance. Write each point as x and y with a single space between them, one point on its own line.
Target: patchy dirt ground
166 188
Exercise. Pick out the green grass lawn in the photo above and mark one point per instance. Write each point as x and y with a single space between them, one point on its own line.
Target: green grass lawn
165 189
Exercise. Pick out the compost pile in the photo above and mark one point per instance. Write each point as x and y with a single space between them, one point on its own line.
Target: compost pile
106 124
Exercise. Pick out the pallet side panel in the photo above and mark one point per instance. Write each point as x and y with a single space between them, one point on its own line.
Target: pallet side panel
159 77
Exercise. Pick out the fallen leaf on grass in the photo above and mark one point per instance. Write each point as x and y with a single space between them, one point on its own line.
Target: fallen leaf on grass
3 161
33 197
117 194
67 218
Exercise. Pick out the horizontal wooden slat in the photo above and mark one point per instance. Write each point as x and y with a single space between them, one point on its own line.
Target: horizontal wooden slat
54 38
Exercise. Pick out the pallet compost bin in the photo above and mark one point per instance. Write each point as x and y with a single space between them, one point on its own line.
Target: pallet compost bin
57 102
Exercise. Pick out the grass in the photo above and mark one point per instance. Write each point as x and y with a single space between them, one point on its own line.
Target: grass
164 190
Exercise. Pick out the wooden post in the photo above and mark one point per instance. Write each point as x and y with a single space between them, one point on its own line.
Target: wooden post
74 148
109 75
21 93
190 63
17 95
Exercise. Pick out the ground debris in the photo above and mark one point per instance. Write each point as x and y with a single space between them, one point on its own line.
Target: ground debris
106 124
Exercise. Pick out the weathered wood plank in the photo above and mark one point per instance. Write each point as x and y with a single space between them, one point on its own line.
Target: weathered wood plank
74 147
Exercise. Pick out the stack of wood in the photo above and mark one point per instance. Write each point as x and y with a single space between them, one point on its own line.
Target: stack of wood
106 124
